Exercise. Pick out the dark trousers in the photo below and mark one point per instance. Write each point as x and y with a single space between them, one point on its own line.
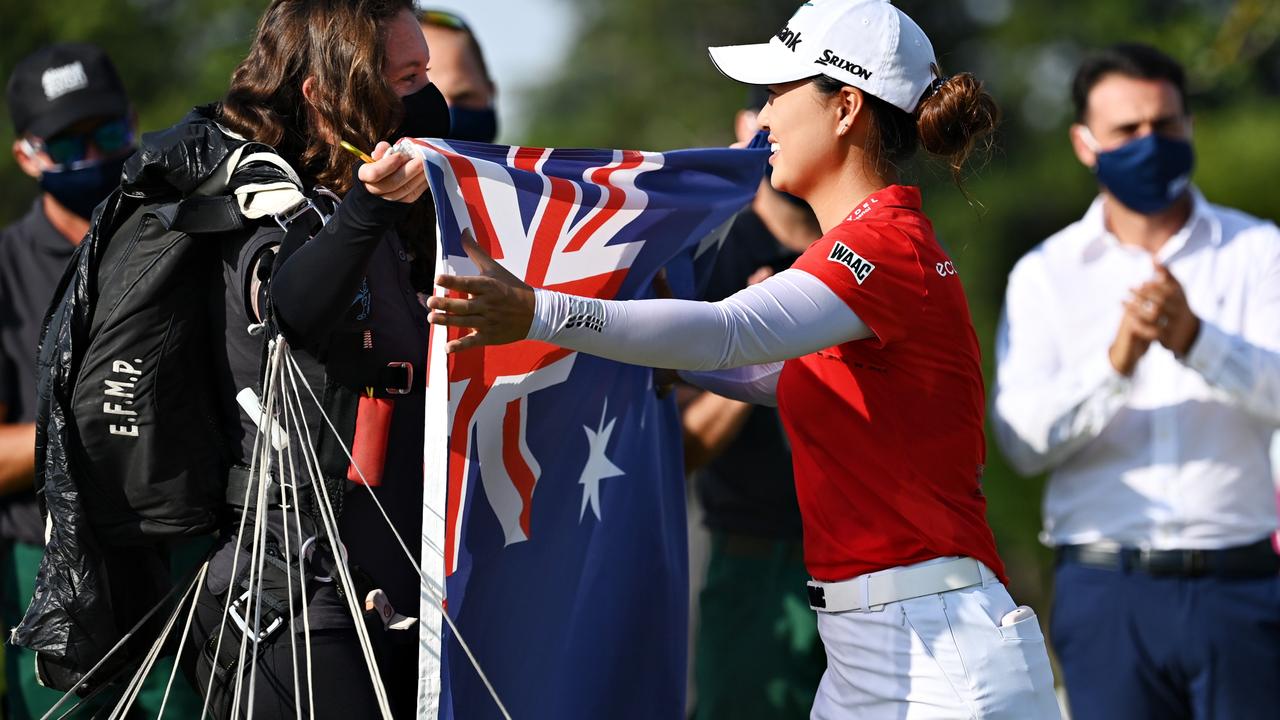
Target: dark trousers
758 655
1134 646
340 686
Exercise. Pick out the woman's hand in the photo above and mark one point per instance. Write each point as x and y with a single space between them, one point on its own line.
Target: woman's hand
499 306
393 175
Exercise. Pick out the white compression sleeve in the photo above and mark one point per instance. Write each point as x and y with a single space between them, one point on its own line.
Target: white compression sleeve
755 384
788 315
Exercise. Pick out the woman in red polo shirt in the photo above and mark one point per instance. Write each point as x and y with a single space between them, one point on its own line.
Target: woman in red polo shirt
866 346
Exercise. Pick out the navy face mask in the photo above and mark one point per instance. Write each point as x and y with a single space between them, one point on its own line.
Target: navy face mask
425 114
80 190
1147 174
474 125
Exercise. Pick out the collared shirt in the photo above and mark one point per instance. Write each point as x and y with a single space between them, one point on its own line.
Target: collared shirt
1175 456
886 432
33 255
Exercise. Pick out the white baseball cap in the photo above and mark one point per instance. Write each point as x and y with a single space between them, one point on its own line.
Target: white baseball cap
869 44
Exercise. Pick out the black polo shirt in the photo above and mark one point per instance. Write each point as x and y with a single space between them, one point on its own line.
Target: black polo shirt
32 257
748 489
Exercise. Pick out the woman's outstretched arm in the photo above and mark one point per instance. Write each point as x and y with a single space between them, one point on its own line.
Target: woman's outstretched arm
788 315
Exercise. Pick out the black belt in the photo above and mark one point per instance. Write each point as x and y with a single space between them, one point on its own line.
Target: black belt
1253 560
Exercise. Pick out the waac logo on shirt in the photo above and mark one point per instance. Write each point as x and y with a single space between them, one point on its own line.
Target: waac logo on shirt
858 265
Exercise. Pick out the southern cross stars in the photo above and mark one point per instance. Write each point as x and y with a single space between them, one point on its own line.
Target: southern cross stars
598 465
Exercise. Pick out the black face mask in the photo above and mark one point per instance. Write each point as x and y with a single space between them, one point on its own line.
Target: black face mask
81 190
476 125
425 115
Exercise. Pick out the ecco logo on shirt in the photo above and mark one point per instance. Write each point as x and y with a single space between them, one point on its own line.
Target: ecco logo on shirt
858 265
790 38
830 58
64 79
945 268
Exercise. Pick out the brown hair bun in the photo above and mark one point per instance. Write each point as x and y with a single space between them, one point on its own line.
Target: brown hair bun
957 116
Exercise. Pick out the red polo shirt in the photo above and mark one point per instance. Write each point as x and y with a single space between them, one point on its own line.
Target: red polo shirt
886 433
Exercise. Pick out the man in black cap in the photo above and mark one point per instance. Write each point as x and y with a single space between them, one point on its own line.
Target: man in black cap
74 128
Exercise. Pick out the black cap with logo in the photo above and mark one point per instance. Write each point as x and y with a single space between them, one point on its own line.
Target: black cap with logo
60 85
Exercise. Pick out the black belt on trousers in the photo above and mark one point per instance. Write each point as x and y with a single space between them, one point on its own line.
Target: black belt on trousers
1253 560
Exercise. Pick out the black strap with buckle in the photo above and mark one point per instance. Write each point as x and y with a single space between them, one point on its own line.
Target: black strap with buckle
396 378
1257 559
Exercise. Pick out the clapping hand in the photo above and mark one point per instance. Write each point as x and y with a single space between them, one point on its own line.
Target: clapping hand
1156 310
1160 307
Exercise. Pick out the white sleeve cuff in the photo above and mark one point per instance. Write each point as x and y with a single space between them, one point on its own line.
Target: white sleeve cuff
1111 394
1209 352
543 302
1104 391
1098 372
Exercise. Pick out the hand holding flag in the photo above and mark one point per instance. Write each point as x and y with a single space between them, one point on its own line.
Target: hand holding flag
499 308
394 175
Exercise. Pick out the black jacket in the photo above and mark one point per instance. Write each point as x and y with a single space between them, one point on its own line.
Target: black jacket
91 588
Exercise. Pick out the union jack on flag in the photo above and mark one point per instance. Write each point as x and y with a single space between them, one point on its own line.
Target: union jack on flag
554 518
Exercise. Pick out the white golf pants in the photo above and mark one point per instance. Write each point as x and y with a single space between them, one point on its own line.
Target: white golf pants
936 657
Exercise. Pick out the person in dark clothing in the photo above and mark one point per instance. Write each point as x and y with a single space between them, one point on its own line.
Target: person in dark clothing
458 68
74 128
757 653
347 301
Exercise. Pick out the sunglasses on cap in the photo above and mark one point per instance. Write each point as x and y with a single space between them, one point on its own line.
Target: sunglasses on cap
443 18
69 150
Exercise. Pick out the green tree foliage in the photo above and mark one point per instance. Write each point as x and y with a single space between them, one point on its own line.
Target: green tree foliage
171 54
639 76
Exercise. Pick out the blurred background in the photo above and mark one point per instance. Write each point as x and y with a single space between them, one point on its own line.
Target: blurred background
634 74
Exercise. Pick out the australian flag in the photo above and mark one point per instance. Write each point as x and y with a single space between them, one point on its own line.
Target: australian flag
554 520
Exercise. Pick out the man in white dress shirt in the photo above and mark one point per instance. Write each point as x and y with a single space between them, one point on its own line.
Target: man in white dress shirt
1139 362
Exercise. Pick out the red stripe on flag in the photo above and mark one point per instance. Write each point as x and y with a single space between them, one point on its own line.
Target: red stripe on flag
559 205
527 158
630 159
604 286
513 460
469 184
459 450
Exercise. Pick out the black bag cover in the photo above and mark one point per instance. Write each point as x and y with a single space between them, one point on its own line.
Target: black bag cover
128 452
146 446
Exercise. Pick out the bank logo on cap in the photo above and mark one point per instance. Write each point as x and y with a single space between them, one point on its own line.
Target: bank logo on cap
790 38
63 79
